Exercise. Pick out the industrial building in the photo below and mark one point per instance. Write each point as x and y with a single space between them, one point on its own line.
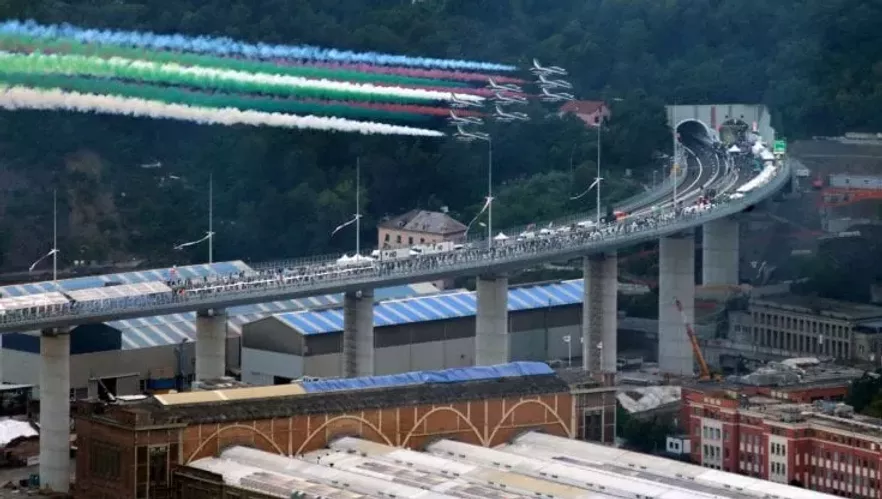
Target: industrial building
421 332
131 447
151 354
802 325
531 465
787 432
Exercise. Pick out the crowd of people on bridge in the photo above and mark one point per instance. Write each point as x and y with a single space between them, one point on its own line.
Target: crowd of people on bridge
283 281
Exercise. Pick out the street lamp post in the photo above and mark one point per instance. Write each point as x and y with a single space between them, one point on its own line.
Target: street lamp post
599 125
489 192
211 218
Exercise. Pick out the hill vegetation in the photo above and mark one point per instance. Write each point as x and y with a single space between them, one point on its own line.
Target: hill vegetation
816 63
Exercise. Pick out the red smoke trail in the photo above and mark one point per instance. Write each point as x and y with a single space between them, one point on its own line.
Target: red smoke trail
400 108
418 73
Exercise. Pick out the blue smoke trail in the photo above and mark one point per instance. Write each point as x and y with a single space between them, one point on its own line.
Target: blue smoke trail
229 47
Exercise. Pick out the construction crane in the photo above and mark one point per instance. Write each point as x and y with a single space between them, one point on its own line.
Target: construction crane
704 370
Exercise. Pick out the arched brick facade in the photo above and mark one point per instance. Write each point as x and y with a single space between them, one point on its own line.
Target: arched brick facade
480 422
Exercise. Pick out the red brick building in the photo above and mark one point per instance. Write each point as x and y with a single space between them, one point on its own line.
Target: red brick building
772 433
589 111
128 450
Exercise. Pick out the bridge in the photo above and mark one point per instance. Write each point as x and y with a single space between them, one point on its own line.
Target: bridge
651 216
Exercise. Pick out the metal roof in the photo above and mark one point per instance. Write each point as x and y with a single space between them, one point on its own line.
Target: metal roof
171 329
436 307
97 281
31 301
120 291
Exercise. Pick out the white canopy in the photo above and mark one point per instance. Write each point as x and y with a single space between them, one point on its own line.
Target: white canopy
734 149
500 237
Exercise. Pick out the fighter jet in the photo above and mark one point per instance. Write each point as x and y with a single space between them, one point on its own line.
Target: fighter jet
539 69
555 97
505 87
507 100
464 120
508 117
466 136
461 103
544 82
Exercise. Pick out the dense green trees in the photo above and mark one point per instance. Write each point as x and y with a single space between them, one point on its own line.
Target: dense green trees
814 62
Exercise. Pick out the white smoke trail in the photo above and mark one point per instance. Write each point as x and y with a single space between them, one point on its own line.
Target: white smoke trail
210 75
20 98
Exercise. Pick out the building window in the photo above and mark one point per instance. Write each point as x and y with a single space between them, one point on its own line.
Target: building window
104 460
386 238
410 241
398 239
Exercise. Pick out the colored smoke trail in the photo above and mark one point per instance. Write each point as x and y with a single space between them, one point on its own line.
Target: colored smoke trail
413 109
235 81
229 47
174 95
70 46
437 74
21 98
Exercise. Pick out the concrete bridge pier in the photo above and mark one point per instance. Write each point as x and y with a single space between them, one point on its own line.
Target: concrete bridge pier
211 344
55 409
676 280
491 322
719 253
358 333
599 315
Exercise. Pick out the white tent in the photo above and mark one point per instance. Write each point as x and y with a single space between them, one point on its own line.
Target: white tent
343 260
734 150
500 237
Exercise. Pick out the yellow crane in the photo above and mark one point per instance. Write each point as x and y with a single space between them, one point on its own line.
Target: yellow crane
704 373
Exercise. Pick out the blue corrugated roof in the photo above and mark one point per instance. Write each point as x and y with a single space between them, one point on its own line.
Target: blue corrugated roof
437 307
170 329
97 281
455 375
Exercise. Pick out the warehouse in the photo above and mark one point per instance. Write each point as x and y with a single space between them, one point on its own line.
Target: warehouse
533 464
152 353
421 332
481 405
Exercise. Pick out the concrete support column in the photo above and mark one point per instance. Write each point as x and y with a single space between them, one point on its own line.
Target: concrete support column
211 344
599 315
719 253
358 333
676 280
491 322
55 410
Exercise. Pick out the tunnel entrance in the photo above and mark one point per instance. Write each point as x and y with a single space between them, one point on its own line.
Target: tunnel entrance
692 131
733 131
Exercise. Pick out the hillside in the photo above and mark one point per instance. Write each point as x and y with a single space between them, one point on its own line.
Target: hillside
279 193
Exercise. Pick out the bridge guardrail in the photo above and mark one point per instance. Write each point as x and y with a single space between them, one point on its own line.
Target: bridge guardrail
477 260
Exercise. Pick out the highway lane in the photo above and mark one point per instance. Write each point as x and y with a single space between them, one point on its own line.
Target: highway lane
472 261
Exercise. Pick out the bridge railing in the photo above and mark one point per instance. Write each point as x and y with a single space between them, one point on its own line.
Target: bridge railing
425 268
628 204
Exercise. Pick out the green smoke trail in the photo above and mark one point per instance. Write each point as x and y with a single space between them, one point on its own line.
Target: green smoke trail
14 43
207 78
172 95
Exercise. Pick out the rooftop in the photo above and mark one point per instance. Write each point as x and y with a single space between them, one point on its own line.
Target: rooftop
582 106
820 415
533 465
432 222
788 375
335 395
835 309
460 304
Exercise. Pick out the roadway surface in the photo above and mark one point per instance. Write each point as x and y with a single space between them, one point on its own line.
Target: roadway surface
650 218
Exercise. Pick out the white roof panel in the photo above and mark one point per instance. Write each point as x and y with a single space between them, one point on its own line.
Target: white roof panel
32 301
121 291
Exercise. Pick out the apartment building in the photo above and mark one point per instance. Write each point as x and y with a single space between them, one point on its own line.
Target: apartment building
821 446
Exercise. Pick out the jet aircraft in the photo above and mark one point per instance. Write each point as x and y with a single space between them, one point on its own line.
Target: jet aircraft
505 87
544 82
461 103
556 97
508 117
547 70
466 136
464 120
509 99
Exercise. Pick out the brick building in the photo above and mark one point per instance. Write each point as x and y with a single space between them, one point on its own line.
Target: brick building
589 111
419 227
128 450
775 435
